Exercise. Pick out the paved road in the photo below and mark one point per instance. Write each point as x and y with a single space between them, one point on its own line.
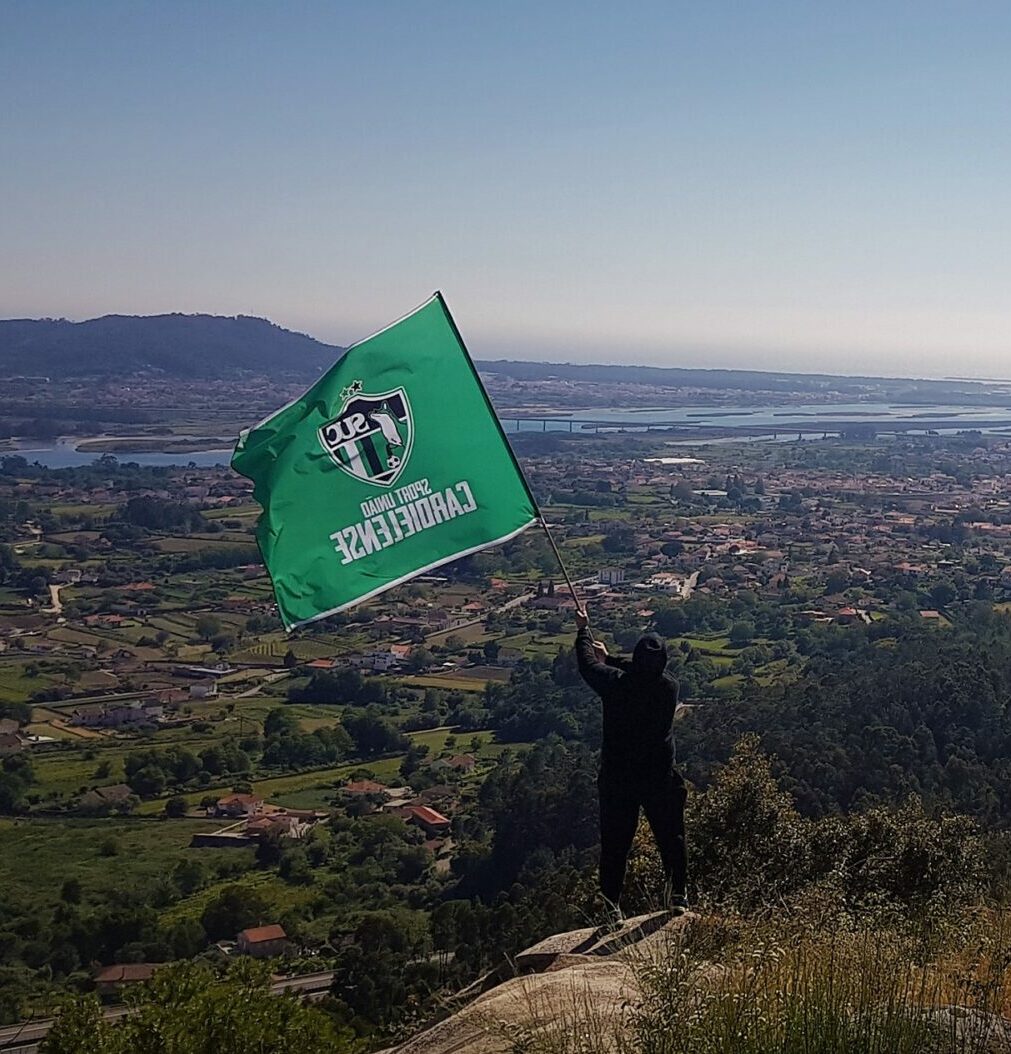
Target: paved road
56 605
25 1037
689 585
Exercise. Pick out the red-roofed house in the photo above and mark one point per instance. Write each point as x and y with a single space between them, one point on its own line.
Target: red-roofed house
430 821
263 942
364 787
287 825
238 805
10 743
112 979
322 664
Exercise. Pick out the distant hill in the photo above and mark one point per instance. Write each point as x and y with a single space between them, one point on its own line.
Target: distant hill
198 346
209 346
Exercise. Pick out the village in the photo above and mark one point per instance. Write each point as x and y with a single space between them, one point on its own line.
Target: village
150 698
125 637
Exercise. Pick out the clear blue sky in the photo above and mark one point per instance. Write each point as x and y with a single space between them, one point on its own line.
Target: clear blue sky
821 186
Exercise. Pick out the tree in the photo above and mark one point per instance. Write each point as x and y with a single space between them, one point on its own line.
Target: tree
188 876
71 891
234 909
943 593
682 490
412 759
619 540
9 564
269 848
280 722
187 938
294 866
176 806
20 712
419 659
208 626
148 782
157 514
188 1003
374 734
742 632
837 581
16 777
340 686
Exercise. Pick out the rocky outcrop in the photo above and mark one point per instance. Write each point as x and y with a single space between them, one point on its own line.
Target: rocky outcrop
579 991
577 980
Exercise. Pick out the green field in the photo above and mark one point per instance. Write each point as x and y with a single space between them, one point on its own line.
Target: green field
466 634
17 687
37 856
316 789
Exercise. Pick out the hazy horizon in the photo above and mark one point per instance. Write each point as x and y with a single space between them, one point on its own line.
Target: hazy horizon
769 187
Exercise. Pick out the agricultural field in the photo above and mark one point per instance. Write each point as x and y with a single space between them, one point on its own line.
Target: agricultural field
450 682
16 685
38 855
472 634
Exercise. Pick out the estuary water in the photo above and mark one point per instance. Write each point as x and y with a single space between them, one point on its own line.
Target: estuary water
757 416
785 418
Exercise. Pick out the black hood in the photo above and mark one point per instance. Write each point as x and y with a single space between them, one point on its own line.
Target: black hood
650 656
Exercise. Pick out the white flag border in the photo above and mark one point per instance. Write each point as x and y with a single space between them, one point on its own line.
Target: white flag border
290 627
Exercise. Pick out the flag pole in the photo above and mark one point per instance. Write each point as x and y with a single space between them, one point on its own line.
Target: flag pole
505 440
561 562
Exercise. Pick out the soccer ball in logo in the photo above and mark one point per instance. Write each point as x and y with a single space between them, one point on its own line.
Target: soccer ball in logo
372 436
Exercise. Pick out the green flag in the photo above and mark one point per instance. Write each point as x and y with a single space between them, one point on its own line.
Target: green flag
391 464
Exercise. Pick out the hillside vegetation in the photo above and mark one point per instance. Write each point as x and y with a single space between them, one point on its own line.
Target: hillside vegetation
176 344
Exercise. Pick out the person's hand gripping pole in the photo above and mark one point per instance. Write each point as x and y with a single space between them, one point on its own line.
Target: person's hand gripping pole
583 622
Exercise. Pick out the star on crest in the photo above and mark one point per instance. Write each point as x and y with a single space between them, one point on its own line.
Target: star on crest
354 388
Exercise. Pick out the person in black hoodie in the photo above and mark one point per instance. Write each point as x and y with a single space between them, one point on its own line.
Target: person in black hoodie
637 762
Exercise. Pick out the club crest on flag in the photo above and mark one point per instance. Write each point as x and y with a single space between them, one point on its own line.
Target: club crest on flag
372 436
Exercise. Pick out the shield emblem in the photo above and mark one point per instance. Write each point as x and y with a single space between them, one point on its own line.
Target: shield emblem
371 437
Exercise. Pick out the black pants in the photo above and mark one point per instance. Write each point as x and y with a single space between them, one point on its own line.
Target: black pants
662 797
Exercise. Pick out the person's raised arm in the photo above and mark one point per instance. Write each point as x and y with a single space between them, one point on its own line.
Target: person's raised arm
619 662
596 672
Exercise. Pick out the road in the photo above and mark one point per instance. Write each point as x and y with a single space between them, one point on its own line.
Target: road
270 679
56 606
25 1037
508 605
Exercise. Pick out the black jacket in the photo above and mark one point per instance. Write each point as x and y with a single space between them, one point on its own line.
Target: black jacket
639 702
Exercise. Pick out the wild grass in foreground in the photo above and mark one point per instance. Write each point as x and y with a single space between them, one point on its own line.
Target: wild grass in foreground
797 985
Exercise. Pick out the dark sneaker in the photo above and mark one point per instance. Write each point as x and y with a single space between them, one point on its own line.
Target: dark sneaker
678 904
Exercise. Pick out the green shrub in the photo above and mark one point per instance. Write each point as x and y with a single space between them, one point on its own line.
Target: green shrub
189 1009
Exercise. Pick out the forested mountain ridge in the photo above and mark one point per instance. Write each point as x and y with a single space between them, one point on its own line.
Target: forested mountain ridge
197 346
